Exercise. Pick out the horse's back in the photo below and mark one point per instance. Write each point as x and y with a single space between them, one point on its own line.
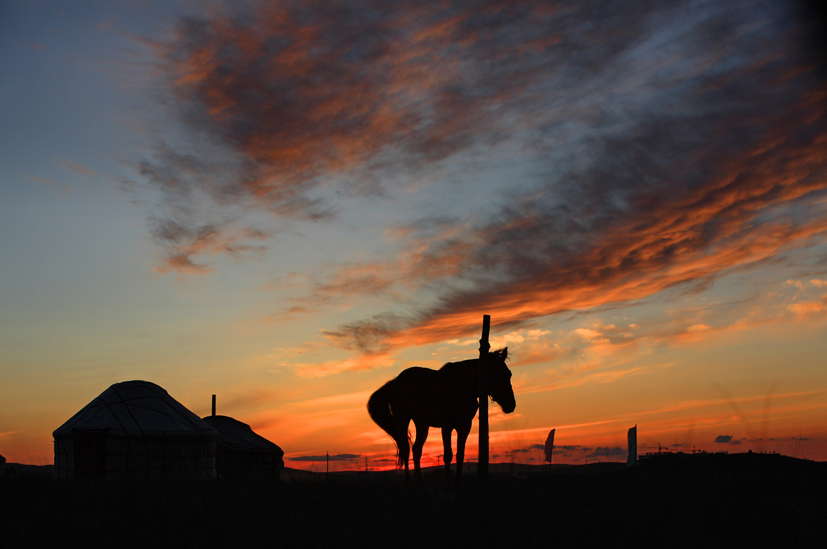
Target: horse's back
417 374
432 397
418 383
423 381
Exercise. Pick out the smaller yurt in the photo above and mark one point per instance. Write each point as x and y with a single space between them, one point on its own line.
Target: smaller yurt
135 430
242 453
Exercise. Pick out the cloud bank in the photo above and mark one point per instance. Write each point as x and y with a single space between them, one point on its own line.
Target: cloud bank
337 457
664 145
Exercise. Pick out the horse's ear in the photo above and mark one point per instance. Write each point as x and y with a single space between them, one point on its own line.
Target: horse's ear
505 354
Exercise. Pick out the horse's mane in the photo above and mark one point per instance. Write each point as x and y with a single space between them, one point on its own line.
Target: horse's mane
452 365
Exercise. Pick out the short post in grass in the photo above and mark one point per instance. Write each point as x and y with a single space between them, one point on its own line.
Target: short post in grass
482 460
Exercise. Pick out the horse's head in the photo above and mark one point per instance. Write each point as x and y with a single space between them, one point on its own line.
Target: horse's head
499 381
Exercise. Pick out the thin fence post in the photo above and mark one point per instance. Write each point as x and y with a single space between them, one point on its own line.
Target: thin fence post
482 460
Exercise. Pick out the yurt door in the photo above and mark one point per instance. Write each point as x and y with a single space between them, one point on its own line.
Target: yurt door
90 452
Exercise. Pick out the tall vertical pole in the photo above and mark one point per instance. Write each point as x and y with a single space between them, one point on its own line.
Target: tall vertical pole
213 405
482 460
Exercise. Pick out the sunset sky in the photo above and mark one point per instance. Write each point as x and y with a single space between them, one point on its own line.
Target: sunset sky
287 203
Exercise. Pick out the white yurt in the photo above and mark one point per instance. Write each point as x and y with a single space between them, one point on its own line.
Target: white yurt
242 453
135 430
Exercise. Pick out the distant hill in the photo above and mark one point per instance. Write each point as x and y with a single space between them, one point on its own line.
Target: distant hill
662 462
21 469
665 461
469 469
722 461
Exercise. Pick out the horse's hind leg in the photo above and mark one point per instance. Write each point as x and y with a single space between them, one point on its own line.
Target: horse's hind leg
447 456
421 437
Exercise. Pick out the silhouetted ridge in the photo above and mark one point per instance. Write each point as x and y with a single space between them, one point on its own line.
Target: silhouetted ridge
721 461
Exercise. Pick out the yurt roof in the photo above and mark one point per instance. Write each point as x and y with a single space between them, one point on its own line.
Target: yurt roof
236 434
138 409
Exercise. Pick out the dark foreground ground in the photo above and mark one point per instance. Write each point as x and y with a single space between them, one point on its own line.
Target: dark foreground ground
781 504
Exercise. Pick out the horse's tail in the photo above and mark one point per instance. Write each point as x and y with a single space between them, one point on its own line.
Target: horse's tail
380 408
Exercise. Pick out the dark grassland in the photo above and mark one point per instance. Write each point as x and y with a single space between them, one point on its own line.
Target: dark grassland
624 508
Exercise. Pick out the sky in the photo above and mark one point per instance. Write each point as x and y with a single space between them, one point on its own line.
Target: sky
286 204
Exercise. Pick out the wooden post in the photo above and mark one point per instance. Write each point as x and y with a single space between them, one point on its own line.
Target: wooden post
482 460
213 405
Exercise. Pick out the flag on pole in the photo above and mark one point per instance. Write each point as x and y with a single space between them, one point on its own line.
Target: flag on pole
549 445
632 460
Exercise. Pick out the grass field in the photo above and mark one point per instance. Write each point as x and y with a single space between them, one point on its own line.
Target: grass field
608 505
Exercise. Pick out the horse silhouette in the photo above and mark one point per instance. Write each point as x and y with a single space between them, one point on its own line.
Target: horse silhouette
445 398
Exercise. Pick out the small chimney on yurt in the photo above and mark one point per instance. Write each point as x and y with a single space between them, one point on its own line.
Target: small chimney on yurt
242 453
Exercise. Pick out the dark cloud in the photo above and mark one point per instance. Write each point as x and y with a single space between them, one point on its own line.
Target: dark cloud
722 169
610 453
184 241
282 97
337 457
527 449
723 439
367 336
668 142
779 439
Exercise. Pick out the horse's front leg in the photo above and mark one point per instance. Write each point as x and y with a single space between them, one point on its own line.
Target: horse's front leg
462 436
403 446
446 450
421 437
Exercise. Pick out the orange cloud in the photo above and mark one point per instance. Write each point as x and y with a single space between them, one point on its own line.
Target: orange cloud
666 178
46 181
77 169
297 94
625 272
184 242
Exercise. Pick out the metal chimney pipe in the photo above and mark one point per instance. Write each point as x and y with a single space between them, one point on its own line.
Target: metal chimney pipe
213 405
